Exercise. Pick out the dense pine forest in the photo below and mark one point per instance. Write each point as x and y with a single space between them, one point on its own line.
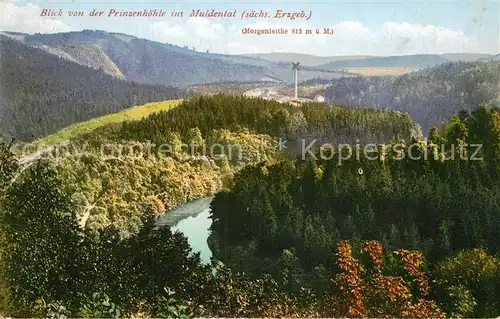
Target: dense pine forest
53 268
430 96
108 187
411 231
311 120
298 236
41 93
293 214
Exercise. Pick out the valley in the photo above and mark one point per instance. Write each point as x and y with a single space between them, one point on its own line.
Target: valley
142 179
144 73
105 192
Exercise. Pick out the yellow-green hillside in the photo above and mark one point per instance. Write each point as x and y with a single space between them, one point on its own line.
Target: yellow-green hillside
133 113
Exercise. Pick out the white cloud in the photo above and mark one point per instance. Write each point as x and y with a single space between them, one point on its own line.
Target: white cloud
349 29
411 38
26 18
350 38
204 28
205 34
195 32
163 31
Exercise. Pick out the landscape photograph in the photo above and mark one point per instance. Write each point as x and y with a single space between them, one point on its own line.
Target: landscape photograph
238 159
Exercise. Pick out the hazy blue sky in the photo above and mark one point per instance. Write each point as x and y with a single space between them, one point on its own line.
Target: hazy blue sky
362 27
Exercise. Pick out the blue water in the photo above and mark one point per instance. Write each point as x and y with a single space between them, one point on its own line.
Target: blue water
195 228
192 219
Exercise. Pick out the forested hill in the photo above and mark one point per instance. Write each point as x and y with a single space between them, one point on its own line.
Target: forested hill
292 213
430 96
151 62
310 121
408 61
41 93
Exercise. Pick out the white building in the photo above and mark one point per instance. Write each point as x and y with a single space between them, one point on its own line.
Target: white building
319 98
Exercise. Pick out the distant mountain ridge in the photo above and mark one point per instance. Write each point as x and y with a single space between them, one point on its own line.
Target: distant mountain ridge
430 96
409 61
341 61
304 59
41 93
151 62
466 57
86 54
491 58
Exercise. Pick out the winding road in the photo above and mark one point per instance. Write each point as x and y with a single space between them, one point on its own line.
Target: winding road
28 159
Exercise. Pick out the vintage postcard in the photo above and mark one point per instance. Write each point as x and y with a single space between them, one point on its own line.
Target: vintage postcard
178 159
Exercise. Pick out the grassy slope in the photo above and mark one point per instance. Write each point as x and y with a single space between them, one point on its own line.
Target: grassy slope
380 71
133 113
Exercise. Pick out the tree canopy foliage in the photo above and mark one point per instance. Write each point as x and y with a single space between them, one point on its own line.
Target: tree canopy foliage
439 203
390 236
431 96
42 93
56 268
313 120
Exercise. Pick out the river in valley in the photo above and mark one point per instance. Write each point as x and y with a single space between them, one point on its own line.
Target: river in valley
192 219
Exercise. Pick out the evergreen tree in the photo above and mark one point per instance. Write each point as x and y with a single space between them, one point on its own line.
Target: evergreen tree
8 168
290 270
457 130
41 229
434 136
175 142
195 140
